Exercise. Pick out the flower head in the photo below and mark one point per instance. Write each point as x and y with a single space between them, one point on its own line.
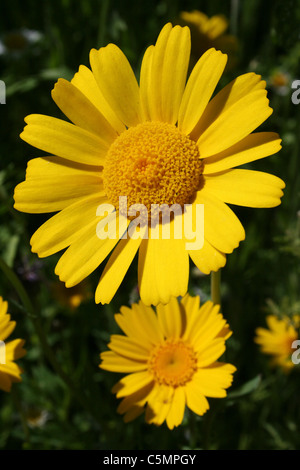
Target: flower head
163 142
278 339
9 371
171 358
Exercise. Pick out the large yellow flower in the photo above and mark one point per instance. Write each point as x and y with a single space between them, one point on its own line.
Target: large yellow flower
9 371
163 141
278 339
171 358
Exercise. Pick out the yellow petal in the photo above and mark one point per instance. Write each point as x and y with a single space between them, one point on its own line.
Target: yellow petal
128 348
87 252
227 97
141 323
5 382
213 380
211 353
116 268
246 188
6 329
251 148
51 194
14 350
145 83
64 228
176 411
65 140
81 111
222 228
159 403
132 383
208 258
200 87
235 123
116 363
170 318
195 400
169 65
117 82
163 269
85 81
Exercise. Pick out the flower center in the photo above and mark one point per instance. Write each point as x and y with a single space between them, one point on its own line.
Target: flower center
152 163
173 363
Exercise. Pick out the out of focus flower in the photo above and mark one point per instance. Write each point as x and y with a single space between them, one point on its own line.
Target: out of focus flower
9 371
171 358
280 82
15 43
209 32
37 418
73 297
278 339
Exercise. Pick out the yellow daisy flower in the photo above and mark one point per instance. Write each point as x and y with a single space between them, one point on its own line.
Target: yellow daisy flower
278 339
171 358
9 371
163 141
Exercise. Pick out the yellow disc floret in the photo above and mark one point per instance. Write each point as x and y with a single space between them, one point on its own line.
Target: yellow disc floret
173 363
152 163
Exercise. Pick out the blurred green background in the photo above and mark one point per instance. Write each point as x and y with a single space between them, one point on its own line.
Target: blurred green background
44 40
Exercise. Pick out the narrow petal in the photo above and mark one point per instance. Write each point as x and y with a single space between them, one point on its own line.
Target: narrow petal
208 258
246 188
51 194
145 83
81 111
117 82
6 329
169 64
140 323
116 268
211 353
227 97
132 383
195 400
85 81
251 148
128 348
200 87
116 363
159 403
222 228
64 228
88 251
176 411
213 381
163 269
170 318
64 140
235 123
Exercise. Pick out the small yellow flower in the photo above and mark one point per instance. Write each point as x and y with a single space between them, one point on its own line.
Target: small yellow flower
278 339
9 371
209 32
163 141
171 358
73 297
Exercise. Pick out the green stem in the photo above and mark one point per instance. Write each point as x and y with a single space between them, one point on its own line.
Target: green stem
215 282
11 276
